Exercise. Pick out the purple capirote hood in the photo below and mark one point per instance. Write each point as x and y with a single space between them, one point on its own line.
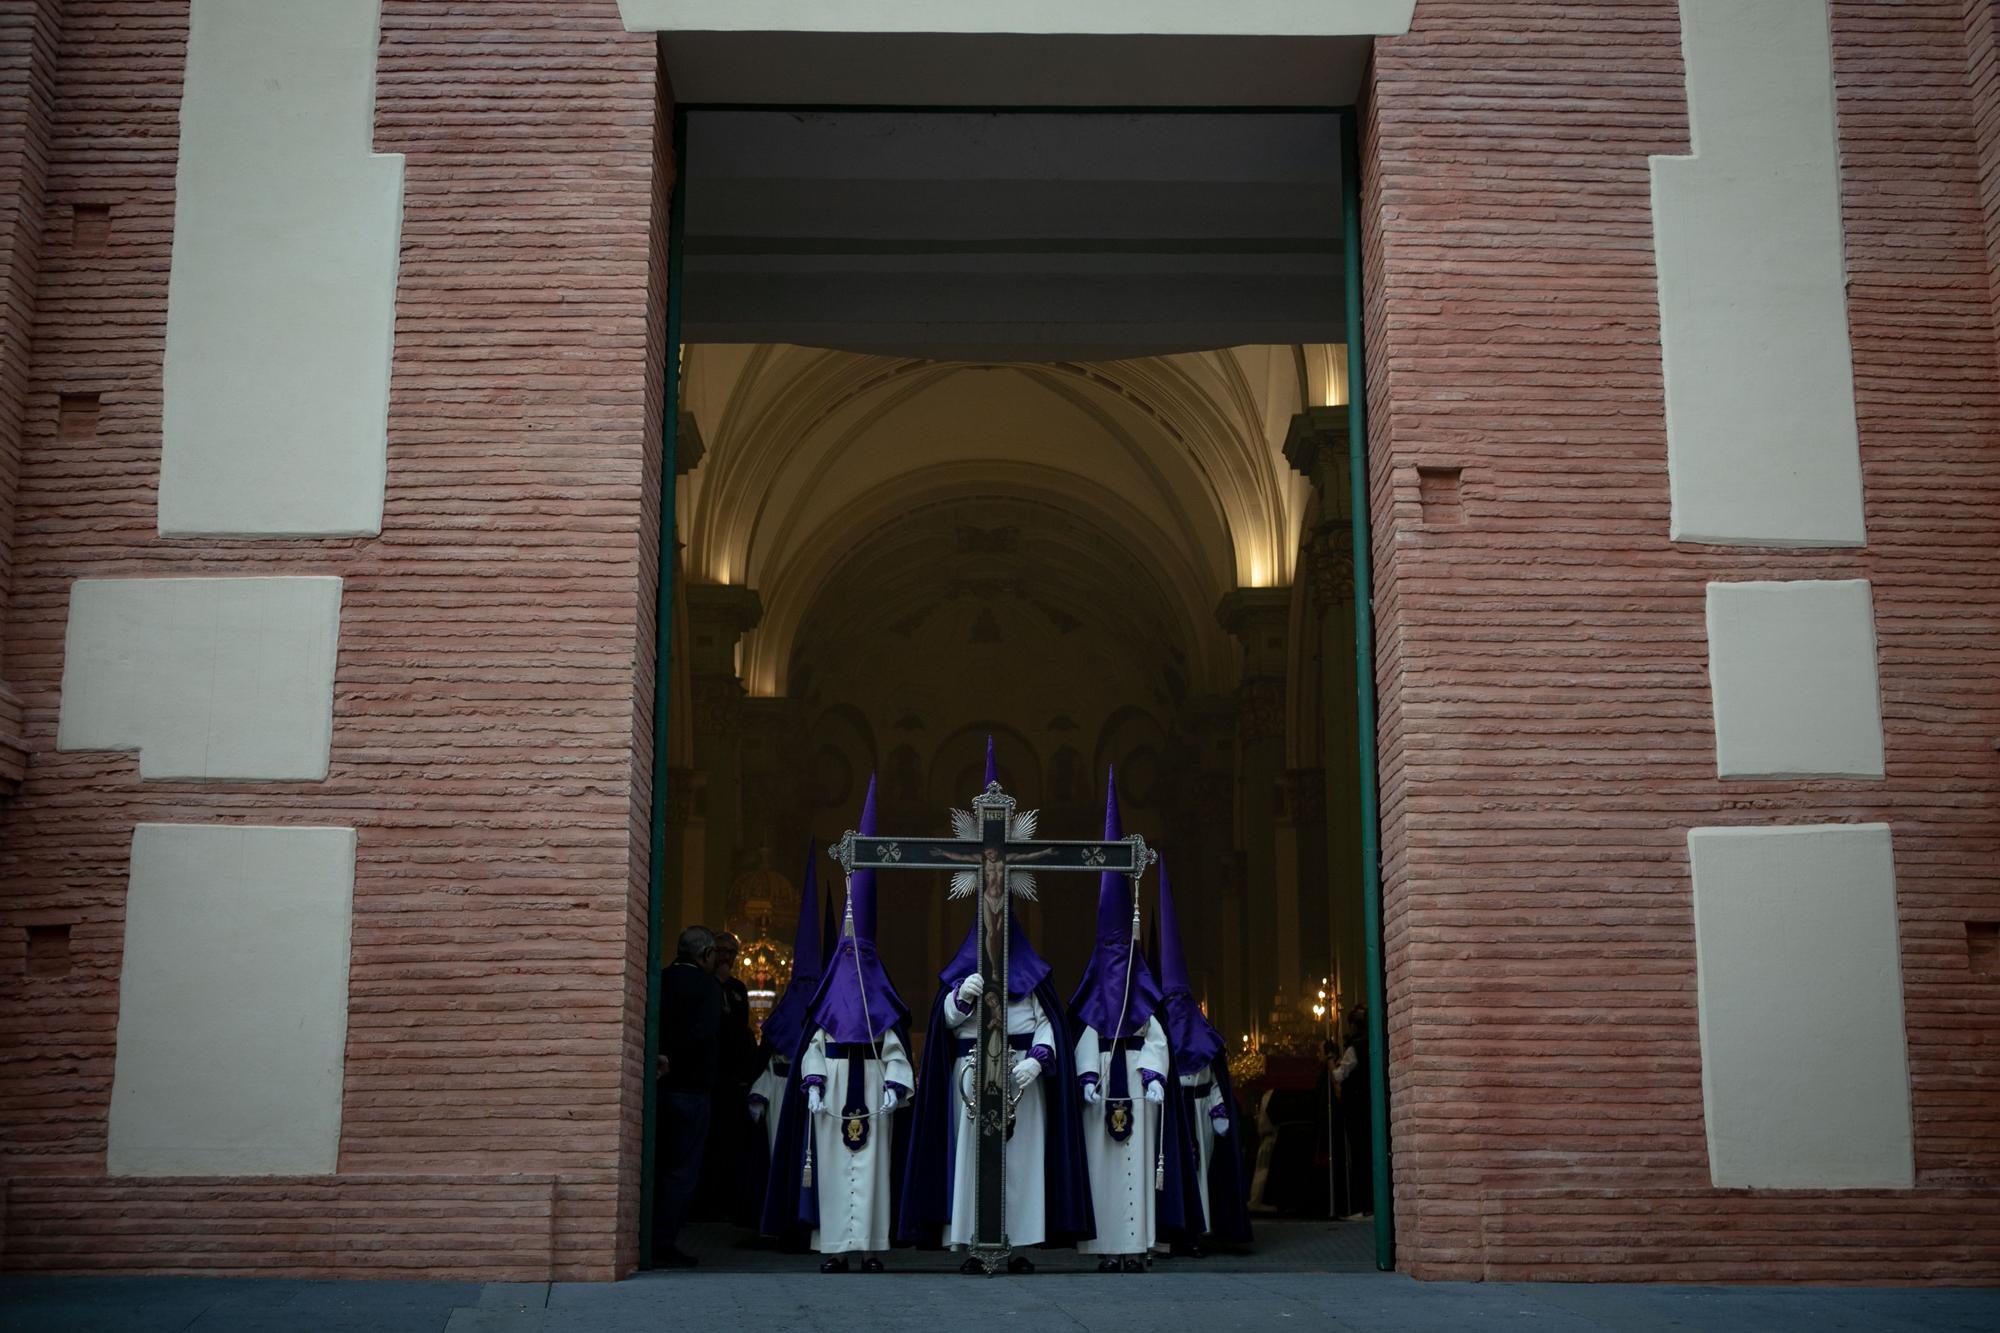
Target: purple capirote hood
1116 978
855 1001
1195 1043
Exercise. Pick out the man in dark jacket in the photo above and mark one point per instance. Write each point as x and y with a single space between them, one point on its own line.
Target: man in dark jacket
690 1038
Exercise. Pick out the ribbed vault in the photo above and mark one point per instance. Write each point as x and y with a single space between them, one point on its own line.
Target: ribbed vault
1170 466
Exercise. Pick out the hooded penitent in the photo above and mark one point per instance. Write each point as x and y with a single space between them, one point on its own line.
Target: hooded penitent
927 1181
1116 980
854 1003
1117 996
1197 1049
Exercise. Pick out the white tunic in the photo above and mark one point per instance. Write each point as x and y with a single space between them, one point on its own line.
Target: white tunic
1204 1132
1121 1174
1027 1214
770 1085
853 1185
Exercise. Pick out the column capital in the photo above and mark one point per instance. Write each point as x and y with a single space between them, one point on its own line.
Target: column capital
1316 447
718 615
1260 618
688 444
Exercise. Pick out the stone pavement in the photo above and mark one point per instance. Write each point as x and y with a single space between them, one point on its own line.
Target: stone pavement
1172 1302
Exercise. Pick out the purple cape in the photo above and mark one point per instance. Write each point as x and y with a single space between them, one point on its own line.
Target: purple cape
1116 965
854 972
938 1118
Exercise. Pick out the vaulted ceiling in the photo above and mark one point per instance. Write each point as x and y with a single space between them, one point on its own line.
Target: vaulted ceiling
856 492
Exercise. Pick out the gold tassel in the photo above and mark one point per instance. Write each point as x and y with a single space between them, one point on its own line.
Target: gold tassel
1160 1169
806 1176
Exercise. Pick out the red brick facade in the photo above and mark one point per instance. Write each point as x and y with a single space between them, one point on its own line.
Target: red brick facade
1546 727
491 640
1547 737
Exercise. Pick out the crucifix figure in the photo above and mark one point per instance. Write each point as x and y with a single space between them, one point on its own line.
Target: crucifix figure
993 854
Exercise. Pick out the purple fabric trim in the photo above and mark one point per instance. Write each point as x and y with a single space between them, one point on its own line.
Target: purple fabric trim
901 1091
813 1081
1147 1077
1088 1076
961 1005
1041 1055
1218 1112
759 1099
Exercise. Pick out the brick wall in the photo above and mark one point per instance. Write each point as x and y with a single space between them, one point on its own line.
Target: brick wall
27 87
1547 736
484 725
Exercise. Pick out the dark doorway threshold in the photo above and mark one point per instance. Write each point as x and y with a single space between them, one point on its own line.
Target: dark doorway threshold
1283 1245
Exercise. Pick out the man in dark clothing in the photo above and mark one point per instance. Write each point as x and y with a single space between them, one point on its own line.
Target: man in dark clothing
690 1033
722 1193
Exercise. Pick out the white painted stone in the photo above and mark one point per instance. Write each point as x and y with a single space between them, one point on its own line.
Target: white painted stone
1125 53
232 1002
282 299
1762 446
218 679
1792 670
1804 1069
1248 18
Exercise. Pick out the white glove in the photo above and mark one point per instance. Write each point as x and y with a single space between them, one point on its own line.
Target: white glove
1154 1094
888 1099
1026 1072
1221 1123
969 991
756 1110
814 1102
1091 1096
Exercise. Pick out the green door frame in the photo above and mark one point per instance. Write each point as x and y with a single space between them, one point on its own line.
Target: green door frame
1364 627
663 633
1364 695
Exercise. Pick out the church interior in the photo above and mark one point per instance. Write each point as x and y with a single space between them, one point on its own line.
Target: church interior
979 438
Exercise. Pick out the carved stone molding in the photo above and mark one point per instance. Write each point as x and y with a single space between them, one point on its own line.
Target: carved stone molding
1327 561
1260 709
718 703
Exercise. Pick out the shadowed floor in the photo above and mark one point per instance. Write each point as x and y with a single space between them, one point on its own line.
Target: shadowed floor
1176 1298
1283 1246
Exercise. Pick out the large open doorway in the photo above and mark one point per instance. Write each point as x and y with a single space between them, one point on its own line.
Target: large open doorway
1035 425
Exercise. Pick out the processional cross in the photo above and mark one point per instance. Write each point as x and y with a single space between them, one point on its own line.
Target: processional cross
992 853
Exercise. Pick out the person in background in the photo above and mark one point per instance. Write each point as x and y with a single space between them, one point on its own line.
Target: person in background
724 1194
690 1028
1351 1076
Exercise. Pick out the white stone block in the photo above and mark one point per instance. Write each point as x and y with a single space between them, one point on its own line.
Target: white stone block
1804 1067
215 679
1239 18
232 1002
1792 670
281 302
1762 444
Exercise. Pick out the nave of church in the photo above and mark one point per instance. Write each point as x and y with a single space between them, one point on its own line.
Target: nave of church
1136 566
